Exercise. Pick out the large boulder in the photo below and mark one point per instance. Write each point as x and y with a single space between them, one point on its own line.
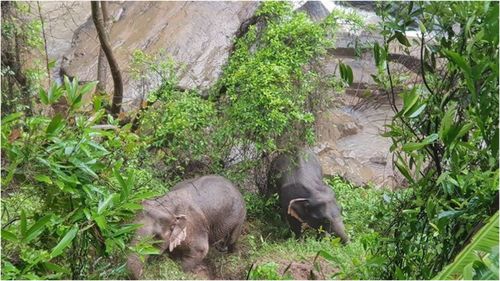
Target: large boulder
198 36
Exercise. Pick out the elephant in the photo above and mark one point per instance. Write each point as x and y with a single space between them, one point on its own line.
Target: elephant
195 214
304 198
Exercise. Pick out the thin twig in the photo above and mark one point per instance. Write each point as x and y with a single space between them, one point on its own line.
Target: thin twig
44 41
422 44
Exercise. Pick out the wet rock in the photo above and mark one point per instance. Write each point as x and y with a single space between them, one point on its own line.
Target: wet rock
333 125
379 159
315 9
198 35
350 143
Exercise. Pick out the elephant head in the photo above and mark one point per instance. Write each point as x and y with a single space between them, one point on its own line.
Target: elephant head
319 210
158 223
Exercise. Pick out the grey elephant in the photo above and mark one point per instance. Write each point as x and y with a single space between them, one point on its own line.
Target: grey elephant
304 198
195 214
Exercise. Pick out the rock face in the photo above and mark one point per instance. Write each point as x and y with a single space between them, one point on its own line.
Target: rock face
198 35
315 9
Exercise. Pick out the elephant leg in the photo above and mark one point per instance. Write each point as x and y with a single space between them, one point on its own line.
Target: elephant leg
233 238
296 227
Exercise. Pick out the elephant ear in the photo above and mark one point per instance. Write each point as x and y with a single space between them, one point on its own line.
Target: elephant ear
178 232
296 208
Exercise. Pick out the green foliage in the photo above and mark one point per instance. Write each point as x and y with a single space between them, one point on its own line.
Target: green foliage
479 259
75 171
265 83
178 124
445 136
153 71
361 207
267 271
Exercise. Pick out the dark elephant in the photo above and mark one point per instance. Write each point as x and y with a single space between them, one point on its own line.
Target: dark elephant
304 197
196 213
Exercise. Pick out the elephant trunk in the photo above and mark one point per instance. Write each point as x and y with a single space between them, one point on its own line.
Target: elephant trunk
337 227
135 266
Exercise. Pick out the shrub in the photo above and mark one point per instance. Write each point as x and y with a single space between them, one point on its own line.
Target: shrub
265 84
80 193
445 136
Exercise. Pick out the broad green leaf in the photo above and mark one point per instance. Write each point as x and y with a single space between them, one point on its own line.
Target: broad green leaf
404 171
483 240
82 166
411 146
417 111
11 117
85 89
36 229
54 124
422 27
467 273
449 214
402 39
65 242
464 130
43 178
131 206
410 98
399 274
419 145
466 69
447 123
56 268
54 93
327 255
130 180
145 195
459 61
103 204
123 184
127 229
101 222
98 146
43 96
7 235
376 53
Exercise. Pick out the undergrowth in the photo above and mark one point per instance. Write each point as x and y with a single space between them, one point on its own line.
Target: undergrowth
267 246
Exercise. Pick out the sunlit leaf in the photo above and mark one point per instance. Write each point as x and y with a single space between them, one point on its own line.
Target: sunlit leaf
65 242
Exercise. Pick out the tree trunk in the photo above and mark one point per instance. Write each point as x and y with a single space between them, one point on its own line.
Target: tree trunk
101 63
113 65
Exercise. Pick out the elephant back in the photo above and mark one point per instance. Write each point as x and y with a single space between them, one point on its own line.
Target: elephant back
218 199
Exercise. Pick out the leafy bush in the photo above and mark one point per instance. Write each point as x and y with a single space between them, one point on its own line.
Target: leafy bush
361 207
265 84
174 122
479 260
84 194
445 136
181 123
